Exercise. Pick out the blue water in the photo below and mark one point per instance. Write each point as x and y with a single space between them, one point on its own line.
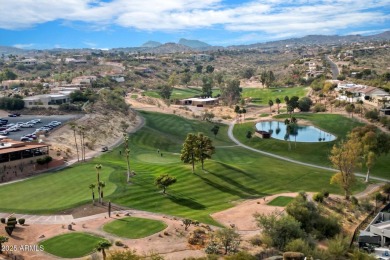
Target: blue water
304 133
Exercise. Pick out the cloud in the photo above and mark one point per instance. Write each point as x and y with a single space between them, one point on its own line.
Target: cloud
23 46
254 17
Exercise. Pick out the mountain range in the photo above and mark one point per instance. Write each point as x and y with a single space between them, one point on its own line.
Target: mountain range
186 45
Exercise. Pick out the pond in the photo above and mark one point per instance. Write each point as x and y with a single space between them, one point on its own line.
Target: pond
301 133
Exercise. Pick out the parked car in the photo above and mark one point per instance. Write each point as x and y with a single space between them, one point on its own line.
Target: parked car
3 132
14 115
26 125
25 138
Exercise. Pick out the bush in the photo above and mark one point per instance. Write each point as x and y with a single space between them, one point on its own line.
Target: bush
299 245
2 220
319 197
372 114
11 223
327 226
319 108
326 193
241 256
21 221
11 103
355 201
256 240
293 256
366 205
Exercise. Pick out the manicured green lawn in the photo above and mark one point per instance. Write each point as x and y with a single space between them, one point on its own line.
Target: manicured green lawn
262 96
280 201
232 174
134 228
71 245
55 191
316 153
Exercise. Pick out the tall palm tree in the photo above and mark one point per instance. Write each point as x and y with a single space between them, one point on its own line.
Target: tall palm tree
73 126
98 167
278 101
82 133
101 186
127 154
102 246
92 187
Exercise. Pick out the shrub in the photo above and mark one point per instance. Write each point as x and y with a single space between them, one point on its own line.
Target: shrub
2 220
319 108
355 201
319 197
299 245
328 226
21 221
293 256
256 240
326 193
241 256
119 243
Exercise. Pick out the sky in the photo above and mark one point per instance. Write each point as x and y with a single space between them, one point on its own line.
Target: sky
103 24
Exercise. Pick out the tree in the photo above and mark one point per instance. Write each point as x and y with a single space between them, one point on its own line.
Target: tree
263 78
205 148
92 187
187 222
127 154
248 73
207 86
277 101
186 78
2 240
215 130
209 69
199 68
249 135
304 104
102 246
165 91
345 157
219 78
270 79
273 226
228 238
82 144
172 80
101 186
164 181
231 92
98 167
73 126
270 103
338 246
189 151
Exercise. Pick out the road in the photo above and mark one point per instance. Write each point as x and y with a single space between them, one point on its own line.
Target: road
333 66
231 136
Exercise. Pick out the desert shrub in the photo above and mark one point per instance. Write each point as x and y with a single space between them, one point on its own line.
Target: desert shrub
21 221
119 243
2 220
299 245
319 108
256 240
293 256
354 201
326 193
328 226
197 237
372 114
212 248
319 197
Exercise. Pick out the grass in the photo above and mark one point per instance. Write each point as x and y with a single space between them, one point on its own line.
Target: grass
262 96
134 228
280 201
71 245
181 93
231 175
316 153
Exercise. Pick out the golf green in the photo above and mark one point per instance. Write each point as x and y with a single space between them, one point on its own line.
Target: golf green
132 227
71 245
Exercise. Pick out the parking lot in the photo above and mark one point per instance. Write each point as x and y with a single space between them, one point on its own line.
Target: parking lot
44 121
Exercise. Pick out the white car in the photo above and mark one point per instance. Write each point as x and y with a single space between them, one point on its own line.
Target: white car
26 125
4 132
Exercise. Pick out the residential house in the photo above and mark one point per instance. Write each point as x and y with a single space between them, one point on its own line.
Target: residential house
46 100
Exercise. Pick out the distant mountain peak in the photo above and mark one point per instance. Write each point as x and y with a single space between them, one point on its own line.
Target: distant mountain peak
151 44
195 44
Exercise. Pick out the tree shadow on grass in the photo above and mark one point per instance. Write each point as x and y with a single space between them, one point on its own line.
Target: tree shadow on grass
223 188
190 203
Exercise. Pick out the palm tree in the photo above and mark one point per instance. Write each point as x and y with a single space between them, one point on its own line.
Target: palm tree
92 187
127 154
270 103
278 101
102 246
101 186
73 126
82 133
98 167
